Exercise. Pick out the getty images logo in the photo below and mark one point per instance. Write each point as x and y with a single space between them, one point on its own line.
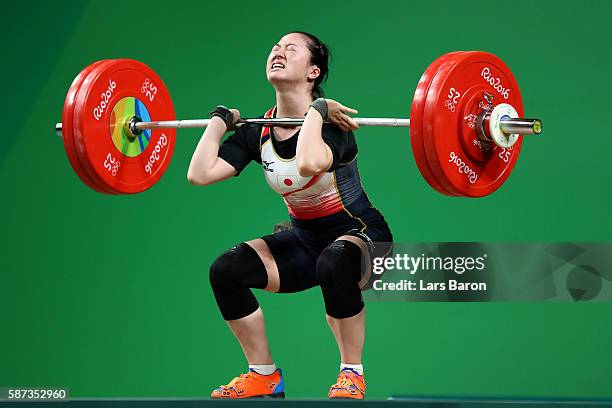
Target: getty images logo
413 264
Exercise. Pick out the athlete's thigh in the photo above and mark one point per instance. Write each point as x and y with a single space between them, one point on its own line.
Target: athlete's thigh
262 249
290 266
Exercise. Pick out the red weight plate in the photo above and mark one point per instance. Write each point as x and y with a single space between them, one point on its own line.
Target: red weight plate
67 127
460 161
429 114
449 62
86 87
109 97
416 122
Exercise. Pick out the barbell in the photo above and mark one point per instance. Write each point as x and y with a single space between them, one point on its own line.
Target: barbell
466 122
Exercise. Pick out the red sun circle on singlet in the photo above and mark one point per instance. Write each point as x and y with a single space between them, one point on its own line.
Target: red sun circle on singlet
288 182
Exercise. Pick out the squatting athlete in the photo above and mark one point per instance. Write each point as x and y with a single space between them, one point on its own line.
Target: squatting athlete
335 230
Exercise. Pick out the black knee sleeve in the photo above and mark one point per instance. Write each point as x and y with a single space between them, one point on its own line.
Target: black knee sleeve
231 277
339 271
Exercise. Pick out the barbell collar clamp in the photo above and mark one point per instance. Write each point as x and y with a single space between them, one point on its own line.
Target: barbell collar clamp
131 126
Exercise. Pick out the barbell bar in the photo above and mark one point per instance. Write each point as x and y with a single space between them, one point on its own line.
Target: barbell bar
507 125
119 126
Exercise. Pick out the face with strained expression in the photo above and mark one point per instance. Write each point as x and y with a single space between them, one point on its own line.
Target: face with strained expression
289 62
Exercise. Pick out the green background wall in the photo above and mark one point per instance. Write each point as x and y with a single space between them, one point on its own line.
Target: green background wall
109 296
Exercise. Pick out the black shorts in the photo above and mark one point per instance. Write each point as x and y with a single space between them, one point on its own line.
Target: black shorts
296 251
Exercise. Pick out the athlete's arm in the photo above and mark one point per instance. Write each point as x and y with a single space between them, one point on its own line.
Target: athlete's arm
313 155
206 167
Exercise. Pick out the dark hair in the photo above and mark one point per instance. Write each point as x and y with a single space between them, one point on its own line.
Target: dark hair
319 56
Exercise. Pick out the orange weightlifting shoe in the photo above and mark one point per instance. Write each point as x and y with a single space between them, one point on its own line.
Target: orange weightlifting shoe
350 385
252 385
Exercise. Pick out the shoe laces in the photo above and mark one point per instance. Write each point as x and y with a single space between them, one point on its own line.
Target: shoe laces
344 381
237 380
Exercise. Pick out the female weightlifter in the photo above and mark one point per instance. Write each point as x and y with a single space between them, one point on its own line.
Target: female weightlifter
334 232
